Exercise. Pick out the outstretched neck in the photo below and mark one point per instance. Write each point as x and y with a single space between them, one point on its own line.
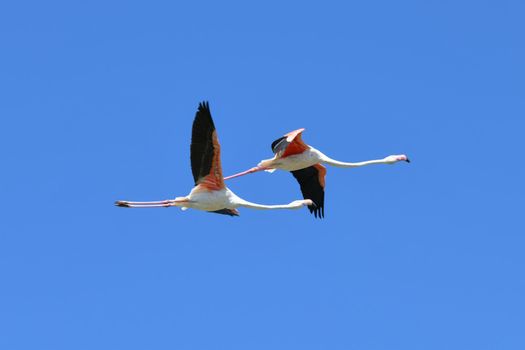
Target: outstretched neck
336 163
265 207
294 205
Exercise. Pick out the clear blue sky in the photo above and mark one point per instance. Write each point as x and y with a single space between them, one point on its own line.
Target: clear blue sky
97 101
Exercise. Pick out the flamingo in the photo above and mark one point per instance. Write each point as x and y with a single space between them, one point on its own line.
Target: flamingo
305 164
210 193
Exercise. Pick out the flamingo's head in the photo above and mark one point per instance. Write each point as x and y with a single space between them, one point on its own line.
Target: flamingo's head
302 202
396 158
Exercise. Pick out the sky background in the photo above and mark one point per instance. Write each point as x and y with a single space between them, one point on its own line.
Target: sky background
97 100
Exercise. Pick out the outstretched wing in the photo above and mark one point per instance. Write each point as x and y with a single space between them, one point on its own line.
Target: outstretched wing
289 144
312 181
205 151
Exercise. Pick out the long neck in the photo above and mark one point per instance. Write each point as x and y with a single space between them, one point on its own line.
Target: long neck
247 204
328 160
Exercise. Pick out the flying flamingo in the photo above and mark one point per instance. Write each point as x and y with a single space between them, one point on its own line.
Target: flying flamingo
304 162
210 193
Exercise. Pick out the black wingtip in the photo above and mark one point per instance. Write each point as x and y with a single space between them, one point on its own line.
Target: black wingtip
317 211
229 212
311 188
204 105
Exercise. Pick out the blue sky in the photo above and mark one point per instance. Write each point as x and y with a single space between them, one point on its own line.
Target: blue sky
97 104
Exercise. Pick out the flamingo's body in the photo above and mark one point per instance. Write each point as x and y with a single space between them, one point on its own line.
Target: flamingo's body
305 164
209 194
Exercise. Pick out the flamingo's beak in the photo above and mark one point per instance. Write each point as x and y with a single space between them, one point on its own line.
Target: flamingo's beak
407 160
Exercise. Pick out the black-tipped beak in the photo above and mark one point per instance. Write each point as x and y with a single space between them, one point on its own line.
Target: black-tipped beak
407 160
